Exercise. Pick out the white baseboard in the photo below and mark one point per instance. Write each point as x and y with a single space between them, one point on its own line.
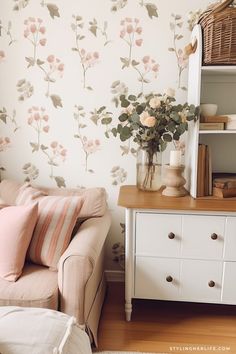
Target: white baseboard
115 275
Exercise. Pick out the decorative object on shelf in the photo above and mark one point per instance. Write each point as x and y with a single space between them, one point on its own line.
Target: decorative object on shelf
208 109
231 124
219 30
214 119
174 181
149 174
152 122
175 158
211 126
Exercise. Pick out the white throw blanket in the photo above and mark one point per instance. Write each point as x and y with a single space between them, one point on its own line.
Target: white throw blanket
40 331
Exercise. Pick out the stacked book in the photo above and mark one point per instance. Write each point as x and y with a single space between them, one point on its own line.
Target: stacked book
224 185
213 122
204 171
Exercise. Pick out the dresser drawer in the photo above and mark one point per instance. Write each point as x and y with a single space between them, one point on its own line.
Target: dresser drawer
157 278
229 288
201 280
158 234
203 237
230 239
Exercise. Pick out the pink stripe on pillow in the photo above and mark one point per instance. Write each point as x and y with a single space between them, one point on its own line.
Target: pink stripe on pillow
57 217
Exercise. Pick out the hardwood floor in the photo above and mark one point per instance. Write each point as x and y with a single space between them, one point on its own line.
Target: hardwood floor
169 327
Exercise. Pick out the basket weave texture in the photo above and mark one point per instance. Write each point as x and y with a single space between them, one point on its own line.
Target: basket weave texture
219 35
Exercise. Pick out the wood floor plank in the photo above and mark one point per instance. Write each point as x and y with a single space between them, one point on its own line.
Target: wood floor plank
168 327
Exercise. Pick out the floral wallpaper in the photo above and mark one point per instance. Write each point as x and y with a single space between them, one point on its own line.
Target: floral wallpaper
63 66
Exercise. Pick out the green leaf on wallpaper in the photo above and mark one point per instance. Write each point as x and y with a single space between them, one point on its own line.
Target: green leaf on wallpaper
171 49
93 29
180 24
75 49
152 10
101 109
107 135
3 115
79 37
106 120
52 163
76 136
60 181
90 171
30 61
180 37
132 98
40 62
53 10
125 62
134 63
184 88
56 100
124 149
114 132
35 147
2 169
89 88
178 17
43 147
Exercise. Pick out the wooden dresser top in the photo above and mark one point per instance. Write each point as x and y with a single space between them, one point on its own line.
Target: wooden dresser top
133 198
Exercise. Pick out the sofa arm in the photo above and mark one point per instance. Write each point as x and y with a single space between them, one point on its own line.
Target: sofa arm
77 263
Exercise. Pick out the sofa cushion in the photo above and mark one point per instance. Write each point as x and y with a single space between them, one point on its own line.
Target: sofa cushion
56 220
17 224
37 287
94 198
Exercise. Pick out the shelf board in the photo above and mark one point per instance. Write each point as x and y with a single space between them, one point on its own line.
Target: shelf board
219 70
217 131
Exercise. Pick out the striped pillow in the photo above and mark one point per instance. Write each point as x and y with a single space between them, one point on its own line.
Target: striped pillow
56 220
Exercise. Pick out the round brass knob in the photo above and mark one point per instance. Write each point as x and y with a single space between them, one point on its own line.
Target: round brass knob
171 235
211 284
214 236
169 279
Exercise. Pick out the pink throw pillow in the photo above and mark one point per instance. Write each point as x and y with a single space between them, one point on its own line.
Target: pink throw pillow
57 216
16 228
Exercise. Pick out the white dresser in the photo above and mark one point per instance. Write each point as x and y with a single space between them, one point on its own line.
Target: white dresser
179 249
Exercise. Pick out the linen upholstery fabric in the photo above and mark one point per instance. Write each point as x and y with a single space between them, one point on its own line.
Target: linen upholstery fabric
94 204
85 252
56 220
40 331
16 228
37 287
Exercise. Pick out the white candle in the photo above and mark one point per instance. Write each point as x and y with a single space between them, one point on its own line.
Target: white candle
175 158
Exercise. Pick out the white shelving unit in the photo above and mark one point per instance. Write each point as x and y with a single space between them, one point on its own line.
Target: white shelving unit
210 84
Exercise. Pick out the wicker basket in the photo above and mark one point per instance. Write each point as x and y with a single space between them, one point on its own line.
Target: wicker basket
219 34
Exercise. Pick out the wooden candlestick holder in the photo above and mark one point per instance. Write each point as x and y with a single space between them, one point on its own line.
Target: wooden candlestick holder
174 181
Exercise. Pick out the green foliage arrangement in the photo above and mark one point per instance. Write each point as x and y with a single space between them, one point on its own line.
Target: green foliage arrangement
153 121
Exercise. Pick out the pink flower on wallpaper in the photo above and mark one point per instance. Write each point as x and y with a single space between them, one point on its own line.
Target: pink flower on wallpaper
91 146
130 32
89 59
2 55
4 143
36 120
147 69
150 66
58 152
131 27
56 67
34 31
182 59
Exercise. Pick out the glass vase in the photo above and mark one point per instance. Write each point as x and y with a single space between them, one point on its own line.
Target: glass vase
149 167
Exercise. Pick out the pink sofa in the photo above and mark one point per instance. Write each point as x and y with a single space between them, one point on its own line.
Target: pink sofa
77 288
